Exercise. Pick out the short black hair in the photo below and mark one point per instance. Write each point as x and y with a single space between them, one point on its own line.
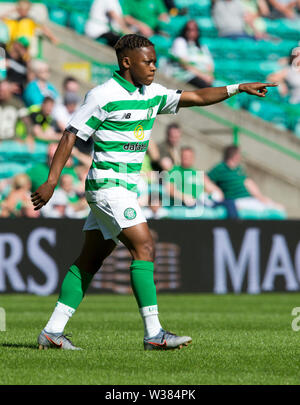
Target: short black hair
229 152
131 41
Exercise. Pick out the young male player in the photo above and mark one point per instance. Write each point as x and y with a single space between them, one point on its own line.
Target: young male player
119 115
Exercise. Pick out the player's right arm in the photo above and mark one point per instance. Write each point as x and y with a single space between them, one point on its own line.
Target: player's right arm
43 194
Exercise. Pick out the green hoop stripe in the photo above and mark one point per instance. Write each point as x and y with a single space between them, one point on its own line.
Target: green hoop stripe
162 104
118 166
122 126
94 185
132 104
114 146
93 122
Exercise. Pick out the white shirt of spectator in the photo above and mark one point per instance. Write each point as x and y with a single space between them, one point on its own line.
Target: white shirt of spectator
99 22
61 114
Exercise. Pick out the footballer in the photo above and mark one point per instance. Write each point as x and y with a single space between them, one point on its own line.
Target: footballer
119 116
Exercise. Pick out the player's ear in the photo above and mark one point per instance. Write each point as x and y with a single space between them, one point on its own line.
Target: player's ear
125 61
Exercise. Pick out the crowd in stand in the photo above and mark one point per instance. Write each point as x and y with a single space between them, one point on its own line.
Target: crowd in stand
34 113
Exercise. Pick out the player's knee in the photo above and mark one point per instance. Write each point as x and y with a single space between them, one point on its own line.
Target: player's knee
145 251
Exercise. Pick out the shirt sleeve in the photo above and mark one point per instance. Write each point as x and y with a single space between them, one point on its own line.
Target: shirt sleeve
88 118
169 101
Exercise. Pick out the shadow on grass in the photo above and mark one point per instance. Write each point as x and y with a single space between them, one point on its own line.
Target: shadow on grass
18 346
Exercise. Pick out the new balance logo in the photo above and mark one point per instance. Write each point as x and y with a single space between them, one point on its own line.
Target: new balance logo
127 116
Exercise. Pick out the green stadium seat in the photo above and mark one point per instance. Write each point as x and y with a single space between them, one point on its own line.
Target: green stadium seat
58 16
77 21
269 112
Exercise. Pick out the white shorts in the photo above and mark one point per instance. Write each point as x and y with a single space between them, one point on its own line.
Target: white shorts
116 208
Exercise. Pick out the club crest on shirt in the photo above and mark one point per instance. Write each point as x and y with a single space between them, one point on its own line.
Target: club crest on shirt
139 132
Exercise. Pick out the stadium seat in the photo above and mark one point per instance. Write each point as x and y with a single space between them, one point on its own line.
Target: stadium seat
58 16
77 21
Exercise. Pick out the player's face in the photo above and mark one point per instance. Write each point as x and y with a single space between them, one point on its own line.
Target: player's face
142 67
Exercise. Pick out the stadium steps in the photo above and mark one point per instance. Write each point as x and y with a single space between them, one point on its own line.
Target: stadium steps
277 174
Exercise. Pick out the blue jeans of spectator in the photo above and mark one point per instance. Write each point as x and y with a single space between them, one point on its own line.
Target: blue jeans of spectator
232 212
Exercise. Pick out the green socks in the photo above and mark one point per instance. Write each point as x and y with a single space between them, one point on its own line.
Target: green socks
142 283
74 287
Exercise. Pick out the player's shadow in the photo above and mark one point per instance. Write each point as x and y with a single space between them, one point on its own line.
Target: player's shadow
18 345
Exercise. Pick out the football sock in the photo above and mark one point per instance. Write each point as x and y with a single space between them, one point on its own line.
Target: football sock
144 289
72 292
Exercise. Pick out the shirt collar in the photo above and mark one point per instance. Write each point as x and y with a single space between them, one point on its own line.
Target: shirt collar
131 88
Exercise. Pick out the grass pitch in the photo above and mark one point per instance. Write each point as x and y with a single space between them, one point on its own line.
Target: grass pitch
237 339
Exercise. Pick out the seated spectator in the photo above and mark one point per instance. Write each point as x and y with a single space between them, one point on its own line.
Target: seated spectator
40 87
184 185
145 15
106 21
169 149
11 108
21 23
66 202
70 85
255 10
283 9
194 63
62 112
38 174
233 181
17 59
38 123
229 17
18 202
288 78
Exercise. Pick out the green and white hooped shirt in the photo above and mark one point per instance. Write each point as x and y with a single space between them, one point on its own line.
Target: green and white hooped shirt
119 117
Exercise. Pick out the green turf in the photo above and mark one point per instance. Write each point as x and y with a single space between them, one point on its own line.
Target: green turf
238 339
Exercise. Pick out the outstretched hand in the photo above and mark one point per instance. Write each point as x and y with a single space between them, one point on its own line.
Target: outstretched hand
256 89
42 195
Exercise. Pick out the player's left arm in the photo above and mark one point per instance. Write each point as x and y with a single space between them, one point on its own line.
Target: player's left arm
213 95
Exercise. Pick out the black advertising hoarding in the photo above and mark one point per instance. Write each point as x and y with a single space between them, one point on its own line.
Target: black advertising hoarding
191 256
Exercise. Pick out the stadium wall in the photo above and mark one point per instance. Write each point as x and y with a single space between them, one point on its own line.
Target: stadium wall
191 256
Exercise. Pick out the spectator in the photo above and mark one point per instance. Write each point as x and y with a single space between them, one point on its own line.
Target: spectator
70 85
39 173
170 148
288 78
145 15
17 59
229 17
38 123
67 203
39 87
233 181
283 9
77 204
184 184
18 203
194 64
255 10
57 206
106 21
21 23
11 107
62 112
